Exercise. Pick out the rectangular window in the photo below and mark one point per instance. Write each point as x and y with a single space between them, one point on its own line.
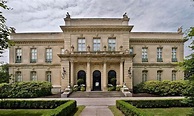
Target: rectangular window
33 76
159 75
174 58
62 51
111 44
144 55
159 55
18 76
131 50
48 55
144 75
48 76
81 44
18 55
96 44
173 75
33 55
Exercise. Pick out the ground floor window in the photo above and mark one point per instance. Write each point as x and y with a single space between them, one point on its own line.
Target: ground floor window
81 77
112 77
144 75
33 76
48 76
18 76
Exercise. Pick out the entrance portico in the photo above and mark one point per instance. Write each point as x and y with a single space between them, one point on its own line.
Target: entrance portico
97 65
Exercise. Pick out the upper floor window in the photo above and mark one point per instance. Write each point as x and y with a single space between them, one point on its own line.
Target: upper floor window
33 76
48 76
159 55
96 44
33 55
18 55
62 51
49 55
144 75
173 75
81 44
131 50
174 58
18 76
111 44
144 55
159 75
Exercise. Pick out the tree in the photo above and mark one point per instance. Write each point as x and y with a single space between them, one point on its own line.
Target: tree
4 73
4 30
188 66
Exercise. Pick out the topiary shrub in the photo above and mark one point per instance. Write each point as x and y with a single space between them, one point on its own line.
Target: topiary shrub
80 81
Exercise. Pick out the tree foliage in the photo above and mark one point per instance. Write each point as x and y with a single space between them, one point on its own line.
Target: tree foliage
4 74
4 30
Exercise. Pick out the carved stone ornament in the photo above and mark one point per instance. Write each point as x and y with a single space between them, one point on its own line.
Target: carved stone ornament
125 15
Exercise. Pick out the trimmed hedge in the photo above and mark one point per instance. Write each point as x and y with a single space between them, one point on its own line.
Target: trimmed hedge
57 107
25 89
30 104
163 88
131 107
162 103
130 110
63 110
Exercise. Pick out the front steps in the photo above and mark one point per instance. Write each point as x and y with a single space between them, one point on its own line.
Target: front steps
96 94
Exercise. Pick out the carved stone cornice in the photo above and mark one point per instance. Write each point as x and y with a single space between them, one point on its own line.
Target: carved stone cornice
156 40
155 64
96 28
38 41
32 64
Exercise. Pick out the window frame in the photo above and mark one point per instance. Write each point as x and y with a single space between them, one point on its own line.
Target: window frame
96 44
81 44
111 44
174 54
174 75
18 55
144 75
33 76
18 76
33 55
144 54
49 79
48 55
159 75
159 54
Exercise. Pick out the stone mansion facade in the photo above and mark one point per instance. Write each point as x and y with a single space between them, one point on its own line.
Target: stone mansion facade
96 49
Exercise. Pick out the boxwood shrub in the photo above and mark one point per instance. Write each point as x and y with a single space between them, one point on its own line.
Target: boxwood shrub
130 110
132 107
163 88
57 107
25 89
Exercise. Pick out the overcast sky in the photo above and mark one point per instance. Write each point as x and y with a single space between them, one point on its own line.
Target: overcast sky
145 15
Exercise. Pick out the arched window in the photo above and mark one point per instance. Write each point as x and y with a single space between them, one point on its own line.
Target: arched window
112 77
82 75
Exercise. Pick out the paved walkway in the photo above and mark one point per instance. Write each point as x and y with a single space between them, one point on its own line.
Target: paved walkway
99 106
96 111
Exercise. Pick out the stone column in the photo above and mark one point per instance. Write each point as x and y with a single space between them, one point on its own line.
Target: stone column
121 73
88 80
72 73
104 77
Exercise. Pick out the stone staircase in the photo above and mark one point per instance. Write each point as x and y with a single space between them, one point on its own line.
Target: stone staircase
96 94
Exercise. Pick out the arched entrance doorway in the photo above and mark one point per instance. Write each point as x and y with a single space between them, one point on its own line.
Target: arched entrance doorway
112 77
81 75
96 80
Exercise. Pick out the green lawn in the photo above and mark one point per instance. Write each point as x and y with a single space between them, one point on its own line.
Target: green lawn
168 111
22 112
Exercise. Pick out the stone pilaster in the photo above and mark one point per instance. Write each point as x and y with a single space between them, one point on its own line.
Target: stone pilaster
64 74
121 73
72 73
104 77
88 78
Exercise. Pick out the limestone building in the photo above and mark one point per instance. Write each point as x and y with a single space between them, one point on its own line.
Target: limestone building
96 49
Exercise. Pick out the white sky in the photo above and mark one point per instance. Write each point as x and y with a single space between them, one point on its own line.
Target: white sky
145 15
